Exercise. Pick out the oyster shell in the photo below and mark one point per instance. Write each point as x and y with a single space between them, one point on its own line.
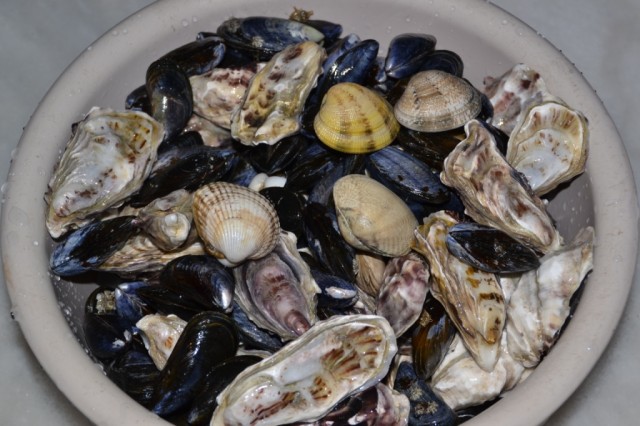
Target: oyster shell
549 145
371 217
108 157
435 101
277 292
495 194
235 222
540 304
276 96
160 334
355 120
304 380
472 298
167 220
218 93
512 93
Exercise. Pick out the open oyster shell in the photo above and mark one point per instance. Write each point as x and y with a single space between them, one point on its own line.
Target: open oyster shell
108 157
305 379
495 194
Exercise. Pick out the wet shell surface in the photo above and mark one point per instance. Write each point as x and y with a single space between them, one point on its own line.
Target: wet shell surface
371 217
305 379
435 101
235 222
355 120
160 334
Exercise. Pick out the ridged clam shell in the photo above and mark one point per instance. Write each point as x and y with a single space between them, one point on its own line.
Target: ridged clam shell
435 101
235 222
371 217
355 120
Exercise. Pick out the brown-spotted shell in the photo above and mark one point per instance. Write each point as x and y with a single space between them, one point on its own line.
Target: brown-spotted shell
436 101
235 222
373 218
355 120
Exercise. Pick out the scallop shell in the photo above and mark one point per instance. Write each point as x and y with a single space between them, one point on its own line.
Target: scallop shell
355 120
436 101
371 217
235 222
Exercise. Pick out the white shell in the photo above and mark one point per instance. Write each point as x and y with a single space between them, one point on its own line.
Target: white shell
160 334
235 222
305 379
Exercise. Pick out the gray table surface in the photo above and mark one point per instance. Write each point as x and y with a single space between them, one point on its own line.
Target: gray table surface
39 39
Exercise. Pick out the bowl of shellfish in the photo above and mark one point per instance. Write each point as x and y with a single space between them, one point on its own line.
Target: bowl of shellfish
381 213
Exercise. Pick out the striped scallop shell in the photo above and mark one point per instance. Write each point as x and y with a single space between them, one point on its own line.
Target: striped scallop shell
355 120
435 101
235 222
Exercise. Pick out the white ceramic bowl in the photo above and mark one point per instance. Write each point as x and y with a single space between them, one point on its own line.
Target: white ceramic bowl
488 39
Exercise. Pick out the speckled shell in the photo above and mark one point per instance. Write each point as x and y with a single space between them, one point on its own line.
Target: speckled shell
436 101
549 145
235 222
371 217
160 334
355 120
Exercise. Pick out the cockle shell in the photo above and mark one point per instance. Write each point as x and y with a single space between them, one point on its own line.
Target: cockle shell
235 222
472 298
355 120
371 217
305 379
108 157
160 334
549 145
435 101
276 95
495 194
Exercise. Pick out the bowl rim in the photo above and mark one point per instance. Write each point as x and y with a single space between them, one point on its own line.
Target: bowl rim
52 341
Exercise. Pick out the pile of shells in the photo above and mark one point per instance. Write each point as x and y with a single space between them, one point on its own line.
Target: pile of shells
305 232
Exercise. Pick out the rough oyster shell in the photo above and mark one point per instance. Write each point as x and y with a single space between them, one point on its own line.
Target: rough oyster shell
540 304
371 217
472 298
435 101
277 292
276 96
495 194
167 220
160 334
355 120
305 379
549 145
235 222
108 157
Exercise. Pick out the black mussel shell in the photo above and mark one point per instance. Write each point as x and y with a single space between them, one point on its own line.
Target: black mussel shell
330 30
169 151
405 174
272 159
443 60
198 166
335 292
219 378
309 168
430 148
88 247
289 206
251 335
322 191
406 53
165 301
170 95
138 100
199 56
427 408
135 373
208 339
489 249
106 334
241 173
431 338
201 278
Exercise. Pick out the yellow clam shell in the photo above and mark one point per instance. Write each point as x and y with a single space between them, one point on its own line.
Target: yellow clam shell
355 120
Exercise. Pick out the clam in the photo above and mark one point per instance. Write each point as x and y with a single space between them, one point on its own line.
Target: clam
235 222
495 194
472 298
355 120
276 95
549 145
371 217
305 379
435 101
108 157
